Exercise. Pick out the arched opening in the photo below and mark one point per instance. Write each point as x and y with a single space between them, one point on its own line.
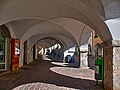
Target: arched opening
98 50
53 48
89 50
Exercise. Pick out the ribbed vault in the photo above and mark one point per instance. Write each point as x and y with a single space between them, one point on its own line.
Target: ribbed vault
46 10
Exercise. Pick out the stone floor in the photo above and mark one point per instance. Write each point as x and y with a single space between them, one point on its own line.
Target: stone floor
47 75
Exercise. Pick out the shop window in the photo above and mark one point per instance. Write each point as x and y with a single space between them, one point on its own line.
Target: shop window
2 49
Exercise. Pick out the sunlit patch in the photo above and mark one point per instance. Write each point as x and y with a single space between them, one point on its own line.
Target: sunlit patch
41 86
83 73
45 58
60 64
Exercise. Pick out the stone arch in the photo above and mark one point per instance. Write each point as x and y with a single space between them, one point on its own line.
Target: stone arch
38 37
51 28
4 31
62 22
54 39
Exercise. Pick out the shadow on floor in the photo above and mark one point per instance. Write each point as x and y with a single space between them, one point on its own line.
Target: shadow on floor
39 71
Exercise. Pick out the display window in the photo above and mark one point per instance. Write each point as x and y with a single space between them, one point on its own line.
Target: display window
2 54
2 49
4 34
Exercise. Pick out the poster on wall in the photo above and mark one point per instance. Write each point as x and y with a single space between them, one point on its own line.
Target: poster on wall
17 48
15 53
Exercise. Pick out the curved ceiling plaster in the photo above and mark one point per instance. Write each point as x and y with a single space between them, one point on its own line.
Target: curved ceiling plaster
66 42
49 9
20 27
12 33
85 35
95 5
111 8
96 22
46 45
77 29
47 28
114 27
38 37
38 9
107 9
73 26
51 42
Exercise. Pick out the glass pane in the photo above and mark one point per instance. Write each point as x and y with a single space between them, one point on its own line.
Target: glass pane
2 66
2 46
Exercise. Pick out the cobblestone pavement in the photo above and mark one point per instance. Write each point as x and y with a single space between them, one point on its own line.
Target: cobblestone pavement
44 75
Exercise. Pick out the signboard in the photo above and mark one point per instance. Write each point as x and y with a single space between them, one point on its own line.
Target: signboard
15 53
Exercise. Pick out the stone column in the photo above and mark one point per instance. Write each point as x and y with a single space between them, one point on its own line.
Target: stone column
21 54
84 56
84 59
112 65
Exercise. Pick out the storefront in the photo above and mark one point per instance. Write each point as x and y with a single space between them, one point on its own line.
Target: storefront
2 53
5 51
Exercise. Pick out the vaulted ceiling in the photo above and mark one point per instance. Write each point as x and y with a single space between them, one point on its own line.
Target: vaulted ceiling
73 19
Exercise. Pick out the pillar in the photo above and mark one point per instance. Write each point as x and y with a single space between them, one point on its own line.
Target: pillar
21 54
84 56
112 65
84 59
